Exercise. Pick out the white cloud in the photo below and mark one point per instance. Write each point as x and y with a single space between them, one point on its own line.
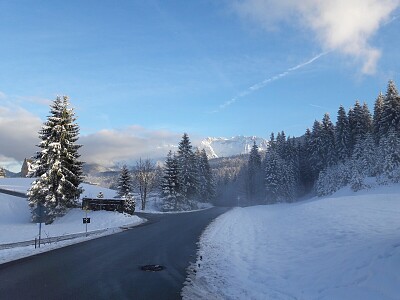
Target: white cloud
110 146
18 135
339 25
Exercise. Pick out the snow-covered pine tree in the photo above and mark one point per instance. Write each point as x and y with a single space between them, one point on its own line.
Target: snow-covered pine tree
280 144
273 176
364 159
170 189
206 186
293 163
288 187
391 110
129 204
342 135
316 149
272 142
390 149
367 121
377 119
58 168
305 171
369 157
187 171
360 122
328 142
124 186
254 176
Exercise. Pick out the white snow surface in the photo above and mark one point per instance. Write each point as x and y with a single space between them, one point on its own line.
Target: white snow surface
15 224
346 246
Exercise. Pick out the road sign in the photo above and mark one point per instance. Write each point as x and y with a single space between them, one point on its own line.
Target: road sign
86 220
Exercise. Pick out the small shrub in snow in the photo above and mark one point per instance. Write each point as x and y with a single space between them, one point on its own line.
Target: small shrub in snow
129 204
357 180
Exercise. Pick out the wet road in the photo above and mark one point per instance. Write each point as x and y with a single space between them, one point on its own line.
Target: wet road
109 267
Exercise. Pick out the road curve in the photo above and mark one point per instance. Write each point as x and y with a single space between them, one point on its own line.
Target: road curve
109 267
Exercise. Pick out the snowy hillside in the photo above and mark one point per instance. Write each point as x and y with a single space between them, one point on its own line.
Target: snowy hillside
224 147
15 215
346 246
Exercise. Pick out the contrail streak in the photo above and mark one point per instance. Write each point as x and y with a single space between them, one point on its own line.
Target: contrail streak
263 83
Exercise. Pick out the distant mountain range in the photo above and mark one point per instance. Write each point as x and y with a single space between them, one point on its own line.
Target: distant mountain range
214 147
225 147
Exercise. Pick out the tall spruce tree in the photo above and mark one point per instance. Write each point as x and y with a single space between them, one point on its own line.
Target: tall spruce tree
391 110
170 185
58 168
328 142
360 123
124 187
206 186
342 135
187 175
306 174
316 149
390 149
273 176
378 115
254 178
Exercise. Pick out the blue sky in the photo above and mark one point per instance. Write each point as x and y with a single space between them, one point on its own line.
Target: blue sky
161 68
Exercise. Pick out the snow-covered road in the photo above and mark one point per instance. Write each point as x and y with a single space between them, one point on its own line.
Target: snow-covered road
343 247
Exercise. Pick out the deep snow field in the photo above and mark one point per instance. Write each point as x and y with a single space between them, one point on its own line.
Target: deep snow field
15 224
345 246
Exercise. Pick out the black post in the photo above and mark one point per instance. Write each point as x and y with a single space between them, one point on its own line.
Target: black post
40 221
86 221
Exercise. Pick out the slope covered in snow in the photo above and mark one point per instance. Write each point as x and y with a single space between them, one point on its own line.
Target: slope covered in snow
346 246
224 147
15 224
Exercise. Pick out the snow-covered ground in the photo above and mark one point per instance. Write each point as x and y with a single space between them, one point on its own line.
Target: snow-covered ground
346 246
15 224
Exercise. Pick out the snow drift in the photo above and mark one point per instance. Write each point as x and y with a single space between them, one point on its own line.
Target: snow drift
346 246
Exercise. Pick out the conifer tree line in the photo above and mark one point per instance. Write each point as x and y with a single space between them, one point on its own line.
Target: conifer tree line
187 178
359 145
57 165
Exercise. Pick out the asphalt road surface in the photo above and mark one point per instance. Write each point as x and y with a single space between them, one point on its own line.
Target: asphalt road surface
109 267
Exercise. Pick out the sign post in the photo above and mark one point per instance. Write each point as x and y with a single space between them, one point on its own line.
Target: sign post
86 220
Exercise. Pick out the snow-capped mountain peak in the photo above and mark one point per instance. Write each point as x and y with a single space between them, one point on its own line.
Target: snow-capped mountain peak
223 147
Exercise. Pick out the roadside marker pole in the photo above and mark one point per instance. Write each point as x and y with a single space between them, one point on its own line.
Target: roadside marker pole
86 221
40 222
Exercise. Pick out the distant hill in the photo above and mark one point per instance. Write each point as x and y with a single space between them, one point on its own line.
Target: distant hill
10 174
